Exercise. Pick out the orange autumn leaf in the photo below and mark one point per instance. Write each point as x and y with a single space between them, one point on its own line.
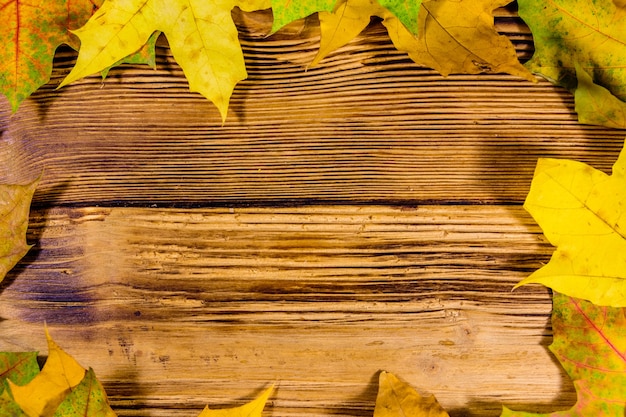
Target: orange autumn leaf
30 33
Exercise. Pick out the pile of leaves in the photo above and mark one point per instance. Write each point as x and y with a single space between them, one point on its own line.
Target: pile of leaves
580 45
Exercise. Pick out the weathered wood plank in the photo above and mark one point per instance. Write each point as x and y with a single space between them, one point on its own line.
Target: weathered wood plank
176 308
367 125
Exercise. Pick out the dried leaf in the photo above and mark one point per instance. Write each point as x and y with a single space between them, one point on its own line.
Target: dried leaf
87 399
398 399
14 209
459 36
590 343
202 36
588 35
582 212
252 409
42 395
30 33
455 36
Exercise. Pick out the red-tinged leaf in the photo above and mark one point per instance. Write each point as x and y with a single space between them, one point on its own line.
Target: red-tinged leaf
590 343
19 367
30 33
87 399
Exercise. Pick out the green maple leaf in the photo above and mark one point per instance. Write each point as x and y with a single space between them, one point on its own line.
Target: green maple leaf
46 391
582 212
595 104
8 406
590 343
287 11
202 36
407 11
14 209
30 33
87 399
64 389
19 367
581 44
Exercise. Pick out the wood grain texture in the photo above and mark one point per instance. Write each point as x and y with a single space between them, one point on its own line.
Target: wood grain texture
366 125
177 308
356 216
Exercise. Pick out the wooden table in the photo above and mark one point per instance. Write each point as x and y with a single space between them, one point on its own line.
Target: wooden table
362 215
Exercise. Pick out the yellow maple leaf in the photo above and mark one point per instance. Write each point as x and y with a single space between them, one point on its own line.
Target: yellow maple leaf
398 399
41 396
202 36
582 212
453 36
252 409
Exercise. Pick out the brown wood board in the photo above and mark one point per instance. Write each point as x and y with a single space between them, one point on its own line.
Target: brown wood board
174 308
361 215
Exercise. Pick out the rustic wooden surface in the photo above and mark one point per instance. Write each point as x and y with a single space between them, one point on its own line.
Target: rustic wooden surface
358 216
